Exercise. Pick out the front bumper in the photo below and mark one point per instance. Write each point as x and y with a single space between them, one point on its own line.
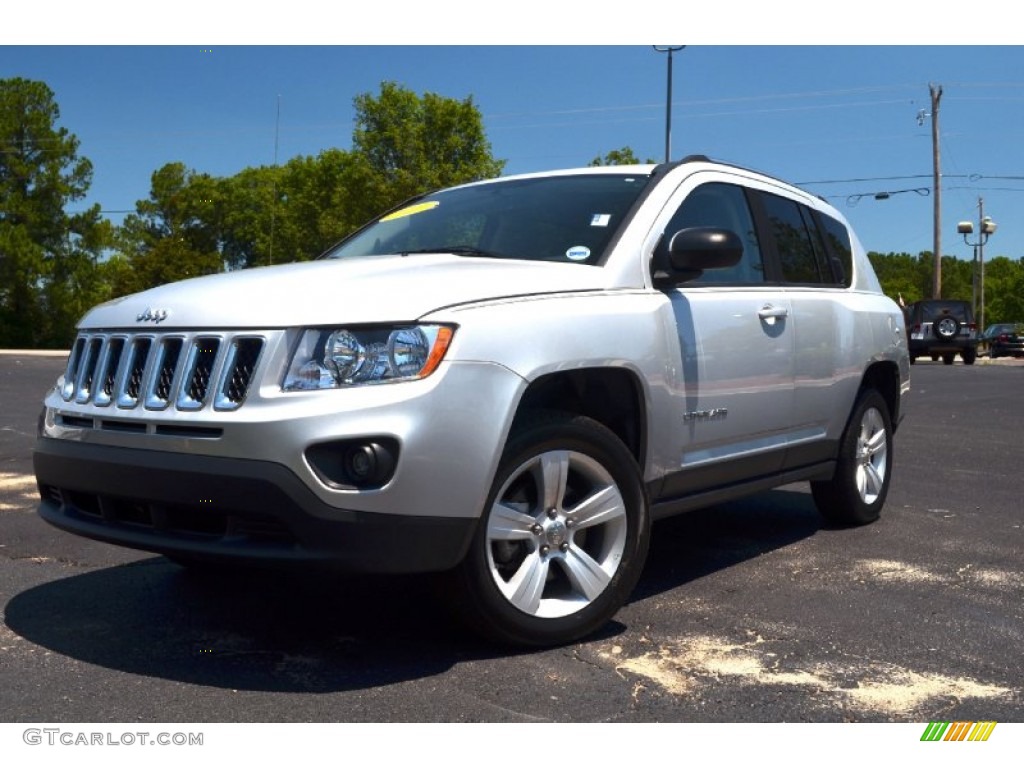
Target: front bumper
230 509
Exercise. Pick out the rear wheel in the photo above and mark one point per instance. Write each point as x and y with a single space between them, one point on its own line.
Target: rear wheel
856 493
563 536
969 356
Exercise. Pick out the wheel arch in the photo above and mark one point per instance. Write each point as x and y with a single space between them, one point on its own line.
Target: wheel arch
884 376
613 397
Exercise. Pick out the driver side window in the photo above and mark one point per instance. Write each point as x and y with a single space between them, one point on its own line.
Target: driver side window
724 206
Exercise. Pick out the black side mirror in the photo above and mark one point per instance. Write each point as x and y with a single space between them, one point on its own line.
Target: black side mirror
692 250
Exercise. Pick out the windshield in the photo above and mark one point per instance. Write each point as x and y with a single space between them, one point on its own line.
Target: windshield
551 218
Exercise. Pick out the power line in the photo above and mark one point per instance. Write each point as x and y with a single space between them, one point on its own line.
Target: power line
881 178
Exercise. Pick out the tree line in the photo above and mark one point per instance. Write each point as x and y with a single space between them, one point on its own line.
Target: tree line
909 278
55 265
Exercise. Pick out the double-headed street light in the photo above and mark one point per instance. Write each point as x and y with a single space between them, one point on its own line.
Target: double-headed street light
669 49
986 227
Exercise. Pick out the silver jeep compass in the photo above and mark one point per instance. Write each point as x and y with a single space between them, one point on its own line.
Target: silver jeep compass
506 381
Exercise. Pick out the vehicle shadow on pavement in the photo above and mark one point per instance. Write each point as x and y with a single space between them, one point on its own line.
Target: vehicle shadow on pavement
698 543
264 631
291 632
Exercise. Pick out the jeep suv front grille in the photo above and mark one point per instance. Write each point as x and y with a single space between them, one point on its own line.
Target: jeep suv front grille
159 371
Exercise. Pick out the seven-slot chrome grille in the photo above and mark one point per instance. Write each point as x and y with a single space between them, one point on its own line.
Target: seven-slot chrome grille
156 372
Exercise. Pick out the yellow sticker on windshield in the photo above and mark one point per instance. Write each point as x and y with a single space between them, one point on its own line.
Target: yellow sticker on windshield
409 210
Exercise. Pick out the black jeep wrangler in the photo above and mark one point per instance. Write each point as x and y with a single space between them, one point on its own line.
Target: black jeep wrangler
942 328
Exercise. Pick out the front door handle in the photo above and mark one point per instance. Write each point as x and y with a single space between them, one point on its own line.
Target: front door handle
768 312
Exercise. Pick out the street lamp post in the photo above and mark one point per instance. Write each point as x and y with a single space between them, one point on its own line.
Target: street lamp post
669 49
986 227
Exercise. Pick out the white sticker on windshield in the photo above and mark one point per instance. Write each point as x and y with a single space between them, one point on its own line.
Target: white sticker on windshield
600 219
578 253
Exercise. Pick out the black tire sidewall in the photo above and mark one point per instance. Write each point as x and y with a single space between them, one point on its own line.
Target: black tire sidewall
839 500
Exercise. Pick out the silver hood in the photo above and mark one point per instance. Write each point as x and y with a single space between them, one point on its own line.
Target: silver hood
367 290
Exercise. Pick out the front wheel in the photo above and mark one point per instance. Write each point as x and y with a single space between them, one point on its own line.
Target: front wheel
857 490
563 536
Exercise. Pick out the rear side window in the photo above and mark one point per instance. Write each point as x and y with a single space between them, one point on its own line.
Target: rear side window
837 237
798 258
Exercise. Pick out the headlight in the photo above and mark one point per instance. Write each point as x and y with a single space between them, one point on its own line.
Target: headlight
344 357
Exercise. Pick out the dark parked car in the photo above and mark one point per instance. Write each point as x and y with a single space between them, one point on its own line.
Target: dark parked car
1003 339
942 328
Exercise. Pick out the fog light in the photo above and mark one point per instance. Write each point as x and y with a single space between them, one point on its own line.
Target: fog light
355 464
362 463
369 464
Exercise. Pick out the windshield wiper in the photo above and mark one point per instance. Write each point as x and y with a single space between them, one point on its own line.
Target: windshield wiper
459 250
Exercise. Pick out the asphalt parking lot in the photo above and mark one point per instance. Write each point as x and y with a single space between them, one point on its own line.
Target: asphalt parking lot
747 612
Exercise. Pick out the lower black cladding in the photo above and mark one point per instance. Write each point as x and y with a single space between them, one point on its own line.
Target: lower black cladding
227 509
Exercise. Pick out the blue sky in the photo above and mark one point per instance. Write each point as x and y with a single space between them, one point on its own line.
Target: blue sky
810 115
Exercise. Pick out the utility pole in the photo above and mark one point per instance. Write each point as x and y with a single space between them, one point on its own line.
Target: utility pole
669 49
273 185
981 260
935 92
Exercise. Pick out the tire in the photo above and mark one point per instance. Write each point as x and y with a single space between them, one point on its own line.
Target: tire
992 353
856 493
562 538
913 359
969 356
946 327
935 357
948 358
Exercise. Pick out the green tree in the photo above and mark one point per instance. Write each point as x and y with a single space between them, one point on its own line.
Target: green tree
77 280
1004 290
250 225
296 211
48 257
326 197
911 276
957 278
403 144
418 143
174 234
623 156
902 275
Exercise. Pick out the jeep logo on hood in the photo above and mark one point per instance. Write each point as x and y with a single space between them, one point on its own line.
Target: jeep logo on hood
152 316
